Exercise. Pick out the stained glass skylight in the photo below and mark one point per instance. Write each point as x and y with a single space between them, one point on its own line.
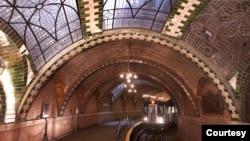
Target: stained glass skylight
145 14
45 26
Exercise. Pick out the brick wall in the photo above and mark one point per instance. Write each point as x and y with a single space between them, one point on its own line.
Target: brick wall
48 93
189 127
56 127
33 127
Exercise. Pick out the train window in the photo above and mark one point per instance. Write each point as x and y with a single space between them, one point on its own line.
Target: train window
152 113
146 109
160 110
173 110
169 110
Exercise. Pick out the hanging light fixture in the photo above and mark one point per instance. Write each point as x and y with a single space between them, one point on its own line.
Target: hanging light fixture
129 76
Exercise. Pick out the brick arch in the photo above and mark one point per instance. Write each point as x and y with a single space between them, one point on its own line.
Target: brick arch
87 98
2 104
119 105
139 104
11 33
106 95
106 104
15 60
246 104
148 36
209 98
129 104
185 88
243 75
59 86
243 79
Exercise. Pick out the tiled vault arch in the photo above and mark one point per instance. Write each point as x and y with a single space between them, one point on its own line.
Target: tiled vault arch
243 74
115 35
12 51
173 76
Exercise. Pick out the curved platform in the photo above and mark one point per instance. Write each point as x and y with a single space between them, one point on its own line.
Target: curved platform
100 132
107 132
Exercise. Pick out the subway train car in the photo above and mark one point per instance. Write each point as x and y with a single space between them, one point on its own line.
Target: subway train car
158 114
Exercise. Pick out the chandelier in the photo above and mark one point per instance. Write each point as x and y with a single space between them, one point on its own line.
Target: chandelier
129 76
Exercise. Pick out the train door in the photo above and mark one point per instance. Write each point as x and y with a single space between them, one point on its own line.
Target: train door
152 113
161 113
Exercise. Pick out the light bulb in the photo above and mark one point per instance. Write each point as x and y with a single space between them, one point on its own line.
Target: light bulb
127 76
135 76
130 74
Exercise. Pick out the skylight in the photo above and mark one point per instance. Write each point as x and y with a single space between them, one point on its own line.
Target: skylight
145 14
45 26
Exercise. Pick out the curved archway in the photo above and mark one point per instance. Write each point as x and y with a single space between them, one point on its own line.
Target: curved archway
179 48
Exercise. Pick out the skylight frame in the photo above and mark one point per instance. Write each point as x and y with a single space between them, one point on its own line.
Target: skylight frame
45 27
135 14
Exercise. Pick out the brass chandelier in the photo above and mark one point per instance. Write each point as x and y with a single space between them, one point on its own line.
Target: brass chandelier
129 76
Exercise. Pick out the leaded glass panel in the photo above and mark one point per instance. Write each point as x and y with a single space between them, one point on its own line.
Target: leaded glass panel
46 26
146 14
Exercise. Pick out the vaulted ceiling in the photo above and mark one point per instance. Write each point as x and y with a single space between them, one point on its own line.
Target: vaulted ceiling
173 45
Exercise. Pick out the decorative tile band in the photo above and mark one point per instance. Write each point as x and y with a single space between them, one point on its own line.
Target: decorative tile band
90 13
181 16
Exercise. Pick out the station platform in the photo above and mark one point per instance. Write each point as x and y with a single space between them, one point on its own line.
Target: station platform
107 132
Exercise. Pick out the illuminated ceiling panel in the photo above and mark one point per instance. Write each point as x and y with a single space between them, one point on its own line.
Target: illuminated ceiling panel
46 26
145 14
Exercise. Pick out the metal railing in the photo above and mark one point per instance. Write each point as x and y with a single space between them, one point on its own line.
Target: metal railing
122 126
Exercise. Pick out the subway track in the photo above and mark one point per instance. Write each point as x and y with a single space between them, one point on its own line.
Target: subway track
146 133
